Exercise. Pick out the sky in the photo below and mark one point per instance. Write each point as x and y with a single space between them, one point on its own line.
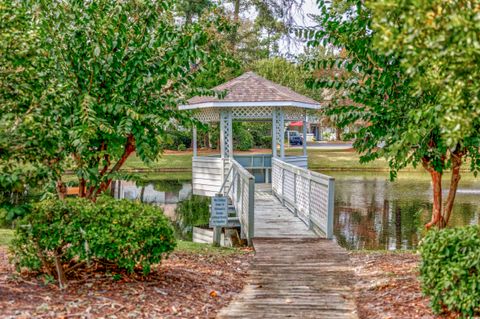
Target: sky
301 18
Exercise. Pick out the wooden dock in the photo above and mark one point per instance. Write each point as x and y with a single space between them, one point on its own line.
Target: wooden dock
294 273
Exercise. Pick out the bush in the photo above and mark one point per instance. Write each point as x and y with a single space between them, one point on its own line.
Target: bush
121 233
242 139
450 269
181 148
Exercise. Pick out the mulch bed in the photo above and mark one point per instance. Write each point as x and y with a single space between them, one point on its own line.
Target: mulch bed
186 285
388 287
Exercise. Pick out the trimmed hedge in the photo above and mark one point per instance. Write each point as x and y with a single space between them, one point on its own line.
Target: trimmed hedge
450 269
118 232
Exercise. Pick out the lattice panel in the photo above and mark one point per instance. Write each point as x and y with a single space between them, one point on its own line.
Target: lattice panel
208 115
277 179
252 113
280 125
227 133
319 205
289 186
294 114
302 197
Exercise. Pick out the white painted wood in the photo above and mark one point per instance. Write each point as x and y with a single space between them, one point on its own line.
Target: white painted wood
222 136
206 175
309 195
224 104
304 144
194 141
282 134
274 133
230 134
300 161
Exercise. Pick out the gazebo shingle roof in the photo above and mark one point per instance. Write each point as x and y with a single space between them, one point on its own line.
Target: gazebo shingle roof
252 88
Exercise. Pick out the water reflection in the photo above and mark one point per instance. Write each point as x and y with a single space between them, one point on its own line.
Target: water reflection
373 213
165 193
370 211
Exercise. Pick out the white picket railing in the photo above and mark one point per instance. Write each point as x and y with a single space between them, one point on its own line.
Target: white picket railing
239 185
309 195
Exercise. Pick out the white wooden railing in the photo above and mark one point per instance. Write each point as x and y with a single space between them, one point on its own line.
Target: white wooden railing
239 186
309 195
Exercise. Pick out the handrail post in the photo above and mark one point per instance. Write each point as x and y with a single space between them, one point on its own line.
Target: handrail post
251 210
295 211
331 202
310 223
283 186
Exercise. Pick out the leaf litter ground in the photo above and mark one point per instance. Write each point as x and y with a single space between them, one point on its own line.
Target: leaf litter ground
186 285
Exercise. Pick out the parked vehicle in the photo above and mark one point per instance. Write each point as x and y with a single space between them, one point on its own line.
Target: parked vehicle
296 140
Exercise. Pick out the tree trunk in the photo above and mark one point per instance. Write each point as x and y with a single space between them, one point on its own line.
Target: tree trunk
61 189
128 150
437 218
338 134
62 279
236 17
452 192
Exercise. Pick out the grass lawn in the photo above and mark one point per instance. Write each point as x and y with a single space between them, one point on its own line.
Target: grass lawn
6 235
337 159
318 159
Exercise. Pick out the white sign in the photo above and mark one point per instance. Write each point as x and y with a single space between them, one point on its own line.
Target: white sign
219 211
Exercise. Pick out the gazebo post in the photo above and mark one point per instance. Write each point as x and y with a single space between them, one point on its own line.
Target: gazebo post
274 133
281 125
304 144
226 136
194 141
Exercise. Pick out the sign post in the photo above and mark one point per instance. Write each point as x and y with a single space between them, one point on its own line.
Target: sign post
218 216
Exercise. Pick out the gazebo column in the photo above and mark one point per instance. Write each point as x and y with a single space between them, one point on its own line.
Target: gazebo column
304 144
194 141
280 128
226 134
274 133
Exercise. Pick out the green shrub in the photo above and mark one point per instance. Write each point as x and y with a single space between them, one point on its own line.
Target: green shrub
265 142
181 148
242 139
450 269
122 233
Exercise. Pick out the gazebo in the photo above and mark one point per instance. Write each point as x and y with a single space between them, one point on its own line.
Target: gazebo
292 187
250 97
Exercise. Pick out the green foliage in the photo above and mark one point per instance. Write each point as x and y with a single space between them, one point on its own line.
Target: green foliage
181 148
440 49
288 74
173 138
242 138
380 86
450 269
120 232
192 212
86 84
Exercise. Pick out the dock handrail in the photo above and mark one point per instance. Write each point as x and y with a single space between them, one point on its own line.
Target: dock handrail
241 190
309 195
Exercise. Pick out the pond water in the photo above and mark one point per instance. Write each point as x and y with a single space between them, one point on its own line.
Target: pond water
370 211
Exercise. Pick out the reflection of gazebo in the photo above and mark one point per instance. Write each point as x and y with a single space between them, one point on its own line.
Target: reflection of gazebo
252 98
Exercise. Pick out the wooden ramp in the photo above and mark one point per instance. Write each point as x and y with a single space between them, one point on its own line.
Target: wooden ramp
294 274
272 219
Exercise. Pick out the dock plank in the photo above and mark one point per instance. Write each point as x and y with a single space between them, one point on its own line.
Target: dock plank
294 273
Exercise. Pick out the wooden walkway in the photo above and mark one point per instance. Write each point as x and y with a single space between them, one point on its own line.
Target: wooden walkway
294 274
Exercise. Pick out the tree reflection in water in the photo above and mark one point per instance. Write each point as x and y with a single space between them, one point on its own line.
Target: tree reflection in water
373 213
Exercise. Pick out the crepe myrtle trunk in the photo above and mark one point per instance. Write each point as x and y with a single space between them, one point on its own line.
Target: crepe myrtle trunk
93 192
442 211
